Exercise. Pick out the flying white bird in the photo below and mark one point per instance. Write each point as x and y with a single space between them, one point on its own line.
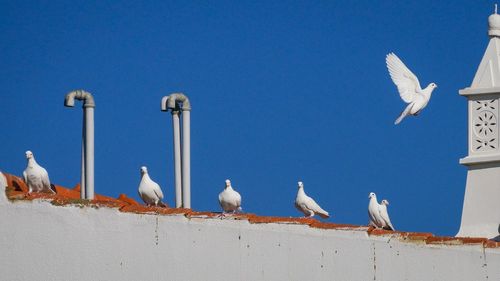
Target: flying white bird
374 211
35 176
307 205
386 221
229 199
149 190
408 87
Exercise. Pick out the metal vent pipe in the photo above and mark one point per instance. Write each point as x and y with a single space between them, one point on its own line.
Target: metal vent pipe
177 157
87 169
179 105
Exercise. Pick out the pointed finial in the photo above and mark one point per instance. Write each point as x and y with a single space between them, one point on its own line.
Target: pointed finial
494 24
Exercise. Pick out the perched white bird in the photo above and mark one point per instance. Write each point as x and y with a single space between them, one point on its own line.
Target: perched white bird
408 87
35 176
307 205
229 199
149 190
386 221
374 211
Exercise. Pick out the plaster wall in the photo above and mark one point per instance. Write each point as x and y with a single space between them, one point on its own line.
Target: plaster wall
40 241
3 181
480 217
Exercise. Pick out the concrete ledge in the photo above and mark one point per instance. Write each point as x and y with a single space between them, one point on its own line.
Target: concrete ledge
119 239
475 160
477 91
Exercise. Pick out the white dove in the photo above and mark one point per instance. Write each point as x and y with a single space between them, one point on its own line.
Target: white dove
149 190
408 87
307 205
374 211
35 176
386 221
229 199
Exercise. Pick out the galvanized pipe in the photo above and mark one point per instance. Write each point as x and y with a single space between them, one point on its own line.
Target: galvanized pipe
87 177
178 102
89 152
177 158
82 174
186 159
173 101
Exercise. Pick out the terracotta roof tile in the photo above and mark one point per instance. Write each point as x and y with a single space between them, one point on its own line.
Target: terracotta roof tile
328 225
128 200
455 240
16 182
289 220
491 244
68 193
193 214
417 235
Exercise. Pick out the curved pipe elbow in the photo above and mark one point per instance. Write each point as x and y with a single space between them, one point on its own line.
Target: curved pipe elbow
88 99
164 102
186 105
171 102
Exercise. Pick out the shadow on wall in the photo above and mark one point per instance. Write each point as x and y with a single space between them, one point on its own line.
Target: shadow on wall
497 238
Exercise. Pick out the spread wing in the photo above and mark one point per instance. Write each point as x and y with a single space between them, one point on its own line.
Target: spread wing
405 80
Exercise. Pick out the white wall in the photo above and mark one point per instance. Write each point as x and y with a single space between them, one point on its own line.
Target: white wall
3 181
39 241
481 209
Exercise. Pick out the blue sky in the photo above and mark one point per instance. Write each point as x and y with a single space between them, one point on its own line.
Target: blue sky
281 92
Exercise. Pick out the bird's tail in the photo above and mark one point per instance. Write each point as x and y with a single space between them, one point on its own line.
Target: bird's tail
324 214
403 114
389 226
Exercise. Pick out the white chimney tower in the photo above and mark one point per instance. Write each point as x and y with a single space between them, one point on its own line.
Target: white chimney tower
481 210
